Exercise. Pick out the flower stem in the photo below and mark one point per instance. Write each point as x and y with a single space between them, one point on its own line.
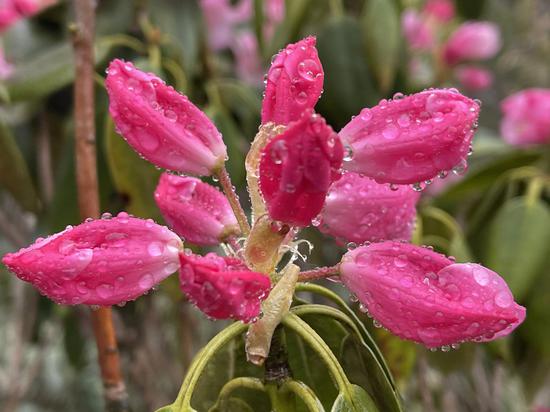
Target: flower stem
115 394
319 273
229 190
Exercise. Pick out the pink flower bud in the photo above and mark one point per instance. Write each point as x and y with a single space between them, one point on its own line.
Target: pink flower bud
297 168
9 15
223 287
357 209
222 19
161 124
441 10
247 58
417 31
413 138
525 117
99 262
472 41
294 83
474 78
424 296
196 211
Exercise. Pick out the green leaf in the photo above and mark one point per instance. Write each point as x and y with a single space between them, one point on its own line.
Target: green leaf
133 177
381 33
360 401
48 71
519 243
348 85
14 174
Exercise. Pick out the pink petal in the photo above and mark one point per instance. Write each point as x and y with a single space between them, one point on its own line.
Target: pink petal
297 168
196 211
441 10
411 139
247 58
222 20
525 118
294 83
416 30
99 262
223 288
474 78
357 209
423 296
472 41
161 124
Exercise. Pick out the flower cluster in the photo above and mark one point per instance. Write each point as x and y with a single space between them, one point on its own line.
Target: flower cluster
470 42
359 185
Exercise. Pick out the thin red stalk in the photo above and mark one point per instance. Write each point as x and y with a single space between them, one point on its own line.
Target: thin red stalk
229 190
88 200
318 273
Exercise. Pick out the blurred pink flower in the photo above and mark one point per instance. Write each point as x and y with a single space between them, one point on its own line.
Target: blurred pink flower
274 13
417 31
526 118
474 78
357 209
247 58
472 40
11 11
99 262
222 18
424 296
413 138
441 10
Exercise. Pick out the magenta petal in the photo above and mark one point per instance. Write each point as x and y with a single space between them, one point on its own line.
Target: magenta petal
411 139
100 262
474 78
525 117
223 288
294 83
297 168
357 209
161 124
423 296
196 211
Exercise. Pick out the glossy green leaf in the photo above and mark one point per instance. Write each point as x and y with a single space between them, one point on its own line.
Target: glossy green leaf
381 33
14 174
519 243
134 178
348 86
360 401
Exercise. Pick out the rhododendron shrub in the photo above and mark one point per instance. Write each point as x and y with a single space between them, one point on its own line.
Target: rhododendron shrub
358 185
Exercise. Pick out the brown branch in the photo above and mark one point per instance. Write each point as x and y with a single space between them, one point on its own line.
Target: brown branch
88 200
319 273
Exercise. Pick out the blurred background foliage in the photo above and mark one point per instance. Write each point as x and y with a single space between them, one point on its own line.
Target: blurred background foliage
497 214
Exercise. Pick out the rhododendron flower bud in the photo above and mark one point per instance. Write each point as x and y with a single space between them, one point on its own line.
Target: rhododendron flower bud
196 211
161 124
474 78
413 138
416 30
441 10
6 68
357 209
223 287
297 168
247 58
99 262
294 83
472 41
424 296
526 117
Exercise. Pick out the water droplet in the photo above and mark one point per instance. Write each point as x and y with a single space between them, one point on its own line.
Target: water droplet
316 222
308 69
376 323
503 299
106 215
348 153
404 120
351 245
400 261
406 281
155 249
445 348
146 282
301 98
171 115
394 187
104 290
398 96
278 152
460 168
390 132
480 275
418 187
365 115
